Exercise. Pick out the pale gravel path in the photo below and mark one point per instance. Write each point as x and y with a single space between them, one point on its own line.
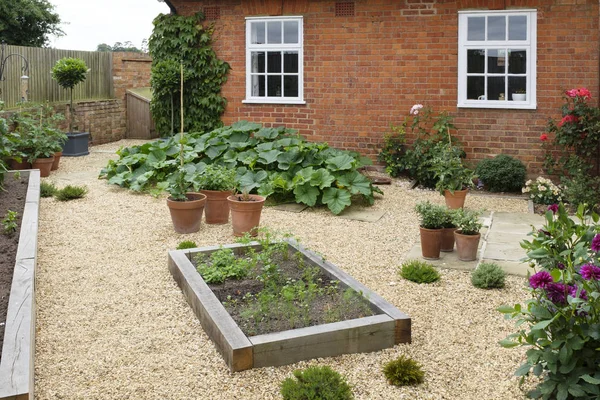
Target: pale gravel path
112 323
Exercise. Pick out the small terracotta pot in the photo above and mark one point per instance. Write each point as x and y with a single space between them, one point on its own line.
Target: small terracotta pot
187 215
216 209
466 246
455 200
245 215
14 164
57 157
447 239
44 165
431 240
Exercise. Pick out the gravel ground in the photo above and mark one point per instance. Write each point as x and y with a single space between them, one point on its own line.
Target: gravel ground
112 323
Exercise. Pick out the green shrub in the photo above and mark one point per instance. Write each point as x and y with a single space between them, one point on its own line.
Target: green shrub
71 192
186 244
502 173
433 216
316 383
582 188
47 189
488 276
419 271
403 371
217 177
467 221
222 265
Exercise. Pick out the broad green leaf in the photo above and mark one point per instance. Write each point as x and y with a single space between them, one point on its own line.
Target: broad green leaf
215 151
245 126
268 157
322 178
267 133
508 343
288 159
238 137
264 147
523 370
248 157
590 379
355 182
306 194
155 157
336 199
538 253
303 176
541 325
505 309
340 163
251 179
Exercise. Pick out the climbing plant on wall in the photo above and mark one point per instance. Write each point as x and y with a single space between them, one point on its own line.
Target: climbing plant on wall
176 39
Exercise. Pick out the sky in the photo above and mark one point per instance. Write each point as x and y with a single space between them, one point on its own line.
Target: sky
88 23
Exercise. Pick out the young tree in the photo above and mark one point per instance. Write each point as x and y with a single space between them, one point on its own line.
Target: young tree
28 22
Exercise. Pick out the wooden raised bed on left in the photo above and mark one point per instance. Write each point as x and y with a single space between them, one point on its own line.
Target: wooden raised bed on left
16 366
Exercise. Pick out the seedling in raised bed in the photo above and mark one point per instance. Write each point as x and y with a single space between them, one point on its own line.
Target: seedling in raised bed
9 222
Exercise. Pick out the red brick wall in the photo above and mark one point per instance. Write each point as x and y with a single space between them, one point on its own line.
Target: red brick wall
364 72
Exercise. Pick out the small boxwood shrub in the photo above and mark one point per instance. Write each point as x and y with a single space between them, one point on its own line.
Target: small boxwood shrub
186 244
403 371
316 383
502 173
47 189
71 192
488 276
419 272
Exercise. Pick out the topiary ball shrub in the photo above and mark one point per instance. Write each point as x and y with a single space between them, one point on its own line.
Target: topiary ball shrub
488 276
403 371
186 244
47 189
419 271
71 192
502 174
316 383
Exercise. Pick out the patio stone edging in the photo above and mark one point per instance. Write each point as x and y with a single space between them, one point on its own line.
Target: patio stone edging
18 350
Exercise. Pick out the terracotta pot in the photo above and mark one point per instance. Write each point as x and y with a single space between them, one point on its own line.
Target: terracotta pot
187 215
466 246
447 239
456 200
216 210
431 240
44 165
57 157
245 215
14 164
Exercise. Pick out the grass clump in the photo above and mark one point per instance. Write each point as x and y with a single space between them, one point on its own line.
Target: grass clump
488 276
186 244
419 271
316 383
403 371
47 189
71 192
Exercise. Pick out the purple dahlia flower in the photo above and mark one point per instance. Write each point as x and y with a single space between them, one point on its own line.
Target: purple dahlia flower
590 272
573 292
596 243
553 208
540 280
556 293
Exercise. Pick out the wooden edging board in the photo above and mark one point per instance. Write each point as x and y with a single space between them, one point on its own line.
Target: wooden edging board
389 327
18 350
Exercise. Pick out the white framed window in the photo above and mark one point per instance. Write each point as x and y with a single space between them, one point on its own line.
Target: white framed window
497 59
274 60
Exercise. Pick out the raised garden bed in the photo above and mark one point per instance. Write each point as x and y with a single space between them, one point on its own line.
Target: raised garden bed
387 327
17 267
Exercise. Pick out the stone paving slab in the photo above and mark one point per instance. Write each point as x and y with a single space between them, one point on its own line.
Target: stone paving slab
365 215
290 207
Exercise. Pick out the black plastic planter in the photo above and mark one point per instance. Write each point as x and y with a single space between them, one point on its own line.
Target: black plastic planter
76 144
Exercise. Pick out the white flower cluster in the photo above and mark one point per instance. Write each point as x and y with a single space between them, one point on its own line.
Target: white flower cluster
415 109
542 188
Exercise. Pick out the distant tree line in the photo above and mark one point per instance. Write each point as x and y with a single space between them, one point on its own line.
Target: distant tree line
28 22
124 46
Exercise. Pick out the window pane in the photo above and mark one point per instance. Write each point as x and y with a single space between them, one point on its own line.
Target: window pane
516 83
258 85
495 87
290 85
258 62
475 87
475 61
496 61
290 61
274 32
496 28
274 61
476 28
290 32
517 27
517 62
258 32
274 85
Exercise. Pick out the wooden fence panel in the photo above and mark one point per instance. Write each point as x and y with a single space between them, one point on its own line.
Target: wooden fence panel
98 84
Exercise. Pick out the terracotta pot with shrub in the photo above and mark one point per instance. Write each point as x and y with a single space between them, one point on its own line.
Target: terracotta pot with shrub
467 234
453 179
218 183
432 217
185 206
245 212
448 229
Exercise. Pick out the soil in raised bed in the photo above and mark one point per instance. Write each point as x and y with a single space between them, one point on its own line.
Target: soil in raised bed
11 198
332 303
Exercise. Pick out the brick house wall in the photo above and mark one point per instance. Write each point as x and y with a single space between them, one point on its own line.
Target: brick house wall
364 72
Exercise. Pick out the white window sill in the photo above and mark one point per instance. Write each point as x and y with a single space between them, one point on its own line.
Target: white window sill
273 101
507 105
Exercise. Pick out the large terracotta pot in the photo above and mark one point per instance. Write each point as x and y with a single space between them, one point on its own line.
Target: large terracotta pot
216 210
245 215
44 165
455 200
431 240
14 164
447 239
57 157
187 215
466 246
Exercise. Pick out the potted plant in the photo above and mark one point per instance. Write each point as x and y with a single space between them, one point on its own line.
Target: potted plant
467 233
432 218
69 72
448 228
453 178
217 182
245 211
519 95
185 205
42 151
